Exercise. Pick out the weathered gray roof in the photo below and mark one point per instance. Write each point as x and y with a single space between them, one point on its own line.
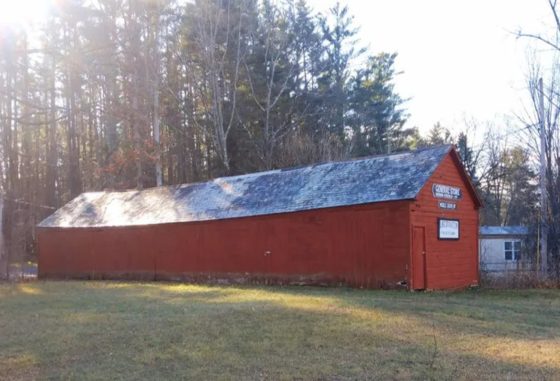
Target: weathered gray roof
504 230
366 180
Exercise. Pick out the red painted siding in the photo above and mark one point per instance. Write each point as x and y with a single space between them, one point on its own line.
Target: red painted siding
365 246
449 264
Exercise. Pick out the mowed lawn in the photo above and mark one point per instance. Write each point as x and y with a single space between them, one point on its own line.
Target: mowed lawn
131 331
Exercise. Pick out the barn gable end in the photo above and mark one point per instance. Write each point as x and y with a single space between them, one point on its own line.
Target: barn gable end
449 263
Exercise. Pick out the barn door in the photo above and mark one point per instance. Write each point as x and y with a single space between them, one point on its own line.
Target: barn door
418 258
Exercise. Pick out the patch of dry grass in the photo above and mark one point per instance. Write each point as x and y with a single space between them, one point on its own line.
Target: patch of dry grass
115 330
517 280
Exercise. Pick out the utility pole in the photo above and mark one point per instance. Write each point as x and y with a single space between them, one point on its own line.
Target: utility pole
543 185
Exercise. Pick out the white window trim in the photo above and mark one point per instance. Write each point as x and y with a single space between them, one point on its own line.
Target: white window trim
514 257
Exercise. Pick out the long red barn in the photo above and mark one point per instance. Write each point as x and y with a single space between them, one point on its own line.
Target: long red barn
408 219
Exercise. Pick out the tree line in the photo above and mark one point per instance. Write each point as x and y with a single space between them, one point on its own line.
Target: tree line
118 94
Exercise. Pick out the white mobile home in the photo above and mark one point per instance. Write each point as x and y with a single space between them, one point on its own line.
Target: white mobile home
501 248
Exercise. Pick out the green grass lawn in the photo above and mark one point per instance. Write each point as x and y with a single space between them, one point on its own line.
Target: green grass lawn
146 331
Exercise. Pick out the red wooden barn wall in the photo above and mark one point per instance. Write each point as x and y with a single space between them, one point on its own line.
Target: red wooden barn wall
449 264
364 246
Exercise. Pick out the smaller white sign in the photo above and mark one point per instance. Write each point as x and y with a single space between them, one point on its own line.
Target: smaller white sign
447 205
448 229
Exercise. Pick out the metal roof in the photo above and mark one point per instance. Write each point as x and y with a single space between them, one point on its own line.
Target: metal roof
366 180
504 230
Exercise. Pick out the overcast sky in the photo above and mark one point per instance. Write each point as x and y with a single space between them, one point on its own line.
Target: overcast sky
460 59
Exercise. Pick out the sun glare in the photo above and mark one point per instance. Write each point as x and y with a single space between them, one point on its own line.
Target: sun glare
22 12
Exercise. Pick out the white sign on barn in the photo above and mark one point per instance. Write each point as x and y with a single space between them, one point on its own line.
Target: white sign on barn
447 205
446 191
448 229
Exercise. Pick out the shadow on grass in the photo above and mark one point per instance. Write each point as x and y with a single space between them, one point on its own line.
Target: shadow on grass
500 314
166 330
491 313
